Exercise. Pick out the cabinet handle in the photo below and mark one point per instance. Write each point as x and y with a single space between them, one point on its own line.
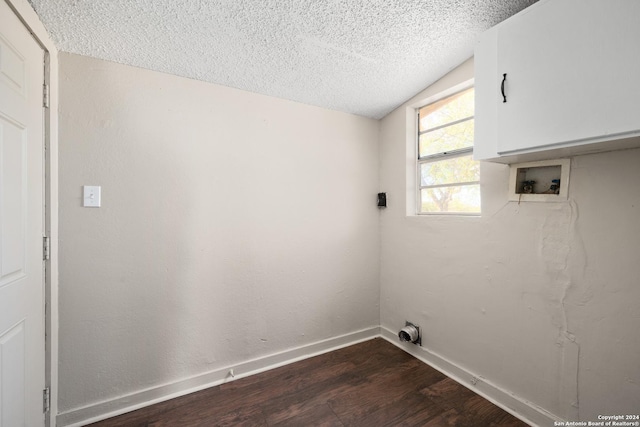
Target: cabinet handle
504 79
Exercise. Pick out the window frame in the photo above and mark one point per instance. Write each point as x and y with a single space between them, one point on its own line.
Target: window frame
445 155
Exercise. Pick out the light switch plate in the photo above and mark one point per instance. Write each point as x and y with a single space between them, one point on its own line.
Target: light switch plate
91 196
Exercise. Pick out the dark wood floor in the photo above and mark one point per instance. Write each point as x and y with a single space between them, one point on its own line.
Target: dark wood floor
368 384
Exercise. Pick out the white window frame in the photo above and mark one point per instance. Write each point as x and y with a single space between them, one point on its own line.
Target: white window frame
468 151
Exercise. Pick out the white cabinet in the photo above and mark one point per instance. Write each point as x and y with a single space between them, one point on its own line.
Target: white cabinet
572 78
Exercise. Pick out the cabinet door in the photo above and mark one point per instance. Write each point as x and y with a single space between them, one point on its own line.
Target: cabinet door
573 74
487 96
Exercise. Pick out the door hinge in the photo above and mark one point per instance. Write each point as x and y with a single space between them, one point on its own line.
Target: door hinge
45 95
45 400
46 248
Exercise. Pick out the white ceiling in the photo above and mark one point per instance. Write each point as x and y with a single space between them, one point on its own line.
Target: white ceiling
359 56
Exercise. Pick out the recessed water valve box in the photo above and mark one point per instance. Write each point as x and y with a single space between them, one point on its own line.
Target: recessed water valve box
543 181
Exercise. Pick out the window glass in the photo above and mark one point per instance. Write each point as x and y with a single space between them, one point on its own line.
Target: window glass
462 199
447 110
448 177
450 171
445 139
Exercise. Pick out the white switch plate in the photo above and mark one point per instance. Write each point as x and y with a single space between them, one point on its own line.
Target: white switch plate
91 196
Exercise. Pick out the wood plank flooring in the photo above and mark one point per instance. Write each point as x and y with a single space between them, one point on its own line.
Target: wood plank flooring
369 384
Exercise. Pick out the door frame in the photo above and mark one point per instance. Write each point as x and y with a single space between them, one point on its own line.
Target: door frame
30 20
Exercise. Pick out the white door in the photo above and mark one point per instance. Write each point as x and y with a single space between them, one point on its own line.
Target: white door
22 354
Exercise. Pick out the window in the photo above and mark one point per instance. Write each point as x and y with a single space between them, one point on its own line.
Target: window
448 177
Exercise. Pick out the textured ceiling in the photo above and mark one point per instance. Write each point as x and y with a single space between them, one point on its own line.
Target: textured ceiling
359 56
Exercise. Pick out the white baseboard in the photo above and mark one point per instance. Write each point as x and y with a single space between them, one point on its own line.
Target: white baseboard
524 410
120 405
520 408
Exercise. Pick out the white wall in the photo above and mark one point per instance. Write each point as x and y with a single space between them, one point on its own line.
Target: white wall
232 226
236 226
540 299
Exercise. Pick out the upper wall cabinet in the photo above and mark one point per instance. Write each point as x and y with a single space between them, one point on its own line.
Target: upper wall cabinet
562 77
